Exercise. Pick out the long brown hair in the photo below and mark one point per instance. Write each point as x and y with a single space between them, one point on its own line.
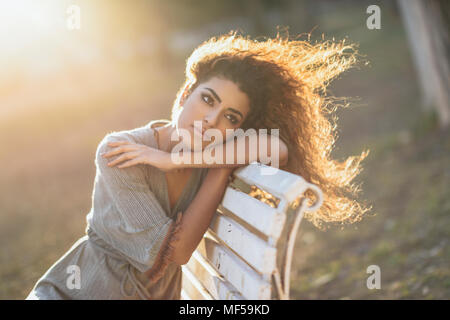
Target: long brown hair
286 82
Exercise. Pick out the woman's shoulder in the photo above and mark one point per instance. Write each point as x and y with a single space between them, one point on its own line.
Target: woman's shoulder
158 123
141 135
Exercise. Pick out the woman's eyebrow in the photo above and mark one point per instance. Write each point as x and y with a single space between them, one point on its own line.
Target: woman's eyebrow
218 98
214 94
236 111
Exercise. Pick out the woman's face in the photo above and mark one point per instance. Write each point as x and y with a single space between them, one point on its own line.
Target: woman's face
218 104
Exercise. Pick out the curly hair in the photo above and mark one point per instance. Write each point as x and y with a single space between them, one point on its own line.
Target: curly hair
286 82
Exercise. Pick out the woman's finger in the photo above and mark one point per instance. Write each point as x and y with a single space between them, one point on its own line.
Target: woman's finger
120 150
130 163
125 156
118 143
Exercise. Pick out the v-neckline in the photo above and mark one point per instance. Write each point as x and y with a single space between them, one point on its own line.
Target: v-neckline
166 184
182 195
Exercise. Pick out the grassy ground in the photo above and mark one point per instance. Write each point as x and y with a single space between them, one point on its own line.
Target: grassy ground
48 172
407 237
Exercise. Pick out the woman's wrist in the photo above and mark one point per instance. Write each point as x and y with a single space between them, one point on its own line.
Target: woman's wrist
192 160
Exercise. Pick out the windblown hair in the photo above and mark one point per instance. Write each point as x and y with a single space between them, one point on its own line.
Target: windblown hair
286 82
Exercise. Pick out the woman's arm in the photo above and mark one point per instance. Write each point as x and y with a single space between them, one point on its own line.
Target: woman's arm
197 217
238 151
235 152
125 212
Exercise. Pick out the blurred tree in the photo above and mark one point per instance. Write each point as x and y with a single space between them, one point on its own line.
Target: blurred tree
301 15
427 26
254 10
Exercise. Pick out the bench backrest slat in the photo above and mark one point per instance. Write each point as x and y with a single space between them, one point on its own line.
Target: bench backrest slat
252 249
268 220
241 276
193 288
212 281
282 184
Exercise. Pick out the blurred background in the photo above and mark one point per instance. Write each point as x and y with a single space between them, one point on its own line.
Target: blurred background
73 71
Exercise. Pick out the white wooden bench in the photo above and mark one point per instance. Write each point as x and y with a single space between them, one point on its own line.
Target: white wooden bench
251 238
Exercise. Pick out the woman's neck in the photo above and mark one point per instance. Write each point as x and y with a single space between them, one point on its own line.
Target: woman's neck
164 134
165 144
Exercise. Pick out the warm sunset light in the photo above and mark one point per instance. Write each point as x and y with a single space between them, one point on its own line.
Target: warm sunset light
195 149
25 23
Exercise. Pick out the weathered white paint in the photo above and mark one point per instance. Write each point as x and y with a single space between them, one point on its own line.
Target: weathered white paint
284 185
264 218
184 295
215 283
236 271
254 250
192 286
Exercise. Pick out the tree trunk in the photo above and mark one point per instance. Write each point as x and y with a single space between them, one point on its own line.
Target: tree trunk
427 32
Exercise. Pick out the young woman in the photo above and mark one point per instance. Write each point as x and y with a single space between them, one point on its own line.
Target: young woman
149 213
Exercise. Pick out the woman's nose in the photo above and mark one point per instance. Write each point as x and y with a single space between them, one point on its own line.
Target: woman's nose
211 119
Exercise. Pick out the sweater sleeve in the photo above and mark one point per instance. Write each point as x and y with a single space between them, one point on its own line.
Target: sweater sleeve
131 217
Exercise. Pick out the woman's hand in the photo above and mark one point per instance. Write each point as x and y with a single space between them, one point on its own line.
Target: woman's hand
133 154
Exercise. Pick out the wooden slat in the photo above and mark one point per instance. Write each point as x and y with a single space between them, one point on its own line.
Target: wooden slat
215 283
192 287
184 295
254 250
190 290
283 184
237 272
268 220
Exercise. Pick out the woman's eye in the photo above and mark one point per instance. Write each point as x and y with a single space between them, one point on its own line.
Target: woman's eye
232 119
207 99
